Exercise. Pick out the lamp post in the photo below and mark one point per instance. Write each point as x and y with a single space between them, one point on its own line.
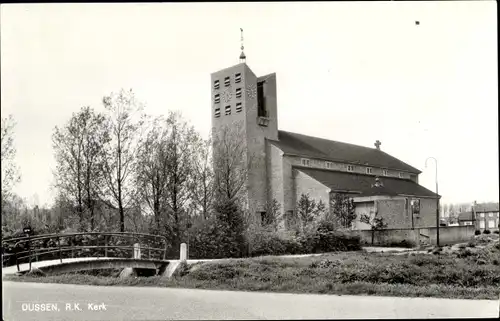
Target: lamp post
437 198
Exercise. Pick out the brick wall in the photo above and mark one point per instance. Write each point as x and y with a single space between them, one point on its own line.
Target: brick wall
304 184
275 175
394 212
427 217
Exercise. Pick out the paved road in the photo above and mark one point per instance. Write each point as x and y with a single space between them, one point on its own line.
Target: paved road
144 303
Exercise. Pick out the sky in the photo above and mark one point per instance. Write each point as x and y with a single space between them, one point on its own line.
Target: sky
355 72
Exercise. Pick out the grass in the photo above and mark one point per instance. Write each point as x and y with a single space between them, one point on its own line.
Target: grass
468 273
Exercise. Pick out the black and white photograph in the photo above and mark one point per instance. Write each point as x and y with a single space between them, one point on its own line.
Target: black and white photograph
250 160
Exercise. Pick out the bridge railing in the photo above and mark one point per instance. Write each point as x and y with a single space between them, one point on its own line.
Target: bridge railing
29 252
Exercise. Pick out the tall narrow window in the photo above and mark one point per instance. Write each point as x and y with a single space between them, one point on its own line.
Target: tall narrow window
329 165
260 100
306 162
217 98
227 81
350 168
216 84
385 172
228 110
238 107
238 92
217 112
401 175
368 170
237 78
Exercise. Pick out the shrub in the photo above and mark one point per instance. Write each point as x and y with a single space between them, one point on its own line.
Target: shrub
320 240
327 239
486 232
496 232
403 243
267 243
477 232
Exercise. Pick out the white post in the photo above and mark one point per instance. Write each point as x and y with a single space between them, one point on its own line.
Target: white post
183 257
137 251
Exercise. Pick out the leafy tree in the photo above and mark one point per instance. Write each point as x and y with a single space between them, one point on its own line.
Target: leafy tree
273 217
342 209
79 153
10 172
376 223
126 127
309 210
165 173
231 228
230 166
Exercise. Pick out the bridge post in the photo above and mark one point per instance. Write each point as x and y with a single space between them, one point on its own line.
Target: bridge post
137 251
59 245
29 249
183 257
105 246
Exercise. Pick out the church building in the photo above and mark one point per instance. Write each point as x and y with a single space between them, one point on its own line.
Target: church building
286 165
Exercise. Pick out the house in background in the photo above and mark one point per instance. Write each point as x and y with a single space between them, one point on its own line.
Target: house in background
466 218
482 216
487 216
286 165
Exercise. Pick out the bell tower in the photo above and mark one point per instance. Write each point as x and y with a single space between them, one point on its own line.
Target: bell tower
247 104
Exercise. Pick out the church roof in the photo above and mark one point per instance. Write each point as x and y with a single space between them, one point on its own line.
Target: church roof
314 147
364 184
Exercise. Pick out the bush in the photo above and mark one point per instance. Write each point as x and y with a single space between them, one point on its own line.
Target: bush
320 240
403 243
477 232
327 239
497 232
268 243
486 232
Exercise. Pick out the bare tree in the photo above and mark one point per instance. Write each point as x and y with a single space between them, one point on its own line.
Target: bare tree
10 172
231 162
203 179
125 132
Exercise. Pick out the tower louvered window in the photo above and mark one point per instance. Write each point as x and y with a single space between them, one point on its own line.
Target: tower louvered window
238 107
216 84
238 93
228 110
217 112
227 81
217 98
237 78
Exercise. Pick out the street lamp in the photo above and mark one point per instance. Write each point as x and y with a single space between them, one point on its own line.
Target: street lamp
437 199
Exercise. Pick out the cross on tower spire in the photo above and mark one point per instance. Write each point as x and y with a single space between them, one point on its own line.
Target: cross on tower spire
377 144
242 55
